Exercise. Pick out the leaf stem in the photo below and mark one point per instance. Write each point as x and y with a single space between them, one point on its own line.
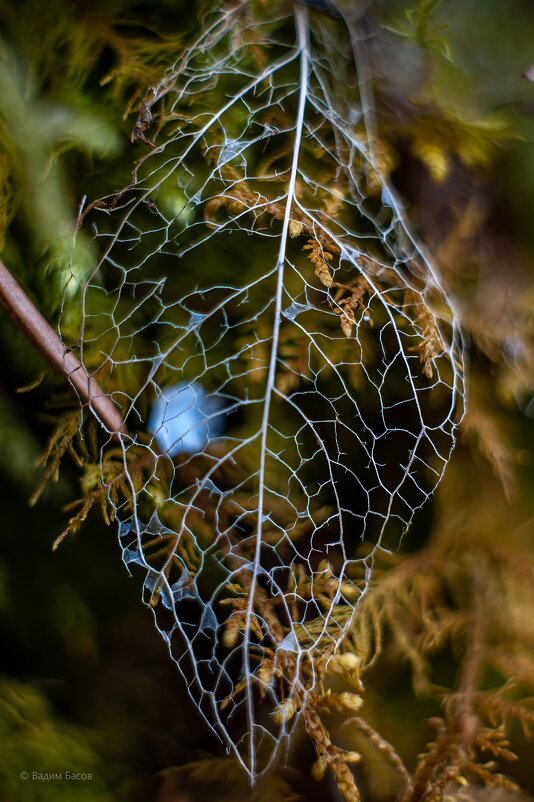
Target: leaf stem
301 20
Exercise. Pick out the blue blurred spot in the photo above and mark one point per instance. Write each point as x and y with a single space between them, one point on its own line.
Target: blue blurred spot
183 419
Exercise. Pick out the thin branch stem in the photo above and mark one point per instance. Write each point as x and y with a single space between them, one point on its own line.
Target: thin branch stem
39 332
467 720
387 749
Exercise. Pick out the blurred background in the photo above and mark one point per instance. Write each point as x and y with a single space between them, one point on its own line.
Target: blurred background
86 684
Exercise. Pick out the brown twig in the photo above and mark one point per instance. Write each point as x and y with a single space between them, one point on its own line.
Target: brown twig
329 757
466 719
33 325
387 749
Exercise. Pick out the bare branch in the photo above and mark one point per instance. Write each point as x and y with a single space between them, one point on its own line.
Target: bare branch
34 326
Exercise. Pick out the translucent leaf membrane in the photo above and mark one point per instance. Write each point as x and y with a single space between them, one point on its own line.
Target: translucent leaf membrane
286 360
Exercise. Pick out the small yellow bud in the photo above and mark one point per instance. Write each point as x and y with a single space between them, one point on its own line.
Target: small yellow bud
265 674
295 229
345 663
319 769
284 711
349 591
351 701
231 633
